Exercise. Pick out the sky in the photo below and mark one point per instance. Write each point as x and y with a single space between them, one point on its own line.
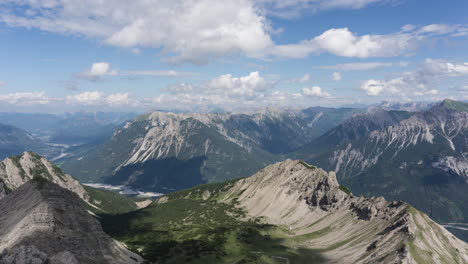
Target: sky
210 55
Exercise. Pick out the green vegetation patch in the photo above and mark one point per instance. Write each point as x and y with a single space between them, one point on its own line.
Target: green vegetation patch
191 228
345 189
307 165
109 202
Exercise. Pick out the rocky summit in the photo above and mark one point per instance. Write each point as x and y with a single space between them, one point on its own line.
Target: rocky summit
41 222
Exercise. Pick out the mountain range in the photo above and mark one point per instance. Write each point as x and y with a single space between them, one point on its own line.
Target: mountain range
419 157
168 151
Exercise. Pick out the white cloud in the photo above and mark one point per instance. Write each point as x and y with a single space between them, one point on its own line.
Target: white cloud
336 76
200 30
373 87
443 29
118 99
226 86
421 81
343 42
360 66
315 91
86 98
97 71
233 93
25 98
187 31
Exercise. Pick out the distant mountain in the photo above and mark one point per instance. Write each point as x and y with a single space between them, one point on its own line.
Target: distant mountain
82 127
18 170
70 127
352 128
167 151
42 223
14 141
62 137
419 157
409 106
288 212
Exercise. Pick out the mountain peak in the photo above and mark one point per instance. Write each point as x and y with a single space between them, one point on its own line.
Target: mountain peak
17 170
455 105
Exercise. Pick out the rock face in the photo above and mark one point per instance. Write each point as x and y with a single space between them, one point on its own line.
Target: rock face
17 170
41 222
324 215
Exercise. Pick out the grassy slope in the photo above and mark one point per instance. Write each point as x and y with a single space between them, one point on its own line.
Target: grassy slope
192 228
109 202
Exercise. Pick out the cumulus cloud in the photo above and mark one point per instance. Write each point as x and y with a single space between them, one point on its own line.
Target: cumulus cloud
200 30
343 42
224 88
231 93
362 66
315 91
336 76
97 71
421 81
190 31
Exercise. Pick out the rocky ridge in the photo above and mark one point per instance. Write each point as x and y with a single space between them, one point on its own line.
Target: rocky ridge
42 222
17 170
324 215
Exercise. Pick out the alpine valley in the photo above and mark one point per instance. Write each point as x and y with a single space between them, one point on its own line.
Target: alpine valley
383 184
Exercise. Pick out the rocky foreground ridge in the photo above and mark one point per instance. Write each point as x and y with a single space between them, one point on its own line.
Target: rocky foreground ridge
41 222
321 214
17 170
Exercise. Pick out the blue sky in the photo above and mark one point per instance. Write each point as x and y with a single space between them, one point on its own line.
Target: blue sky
202 55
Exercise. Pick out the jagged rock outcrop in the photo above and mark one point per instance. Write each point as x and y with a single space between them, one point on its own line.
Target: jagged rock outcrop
17 170
323 215
41 222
